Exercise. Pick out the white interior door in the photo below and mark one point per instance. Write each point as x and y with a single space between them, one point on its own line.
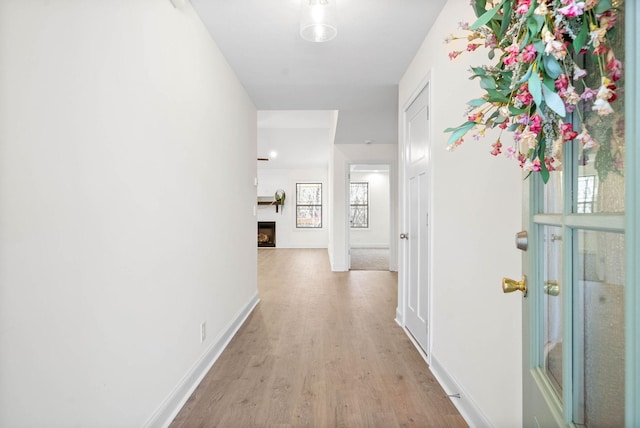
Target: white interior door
416 234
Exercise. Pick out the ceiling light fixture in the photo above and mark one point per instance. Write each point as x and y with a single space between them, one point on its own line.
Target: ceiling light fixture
318 20
273 154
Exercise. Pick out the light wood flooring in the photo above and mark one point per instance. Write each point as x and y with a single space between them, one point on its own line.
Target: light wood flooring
321 349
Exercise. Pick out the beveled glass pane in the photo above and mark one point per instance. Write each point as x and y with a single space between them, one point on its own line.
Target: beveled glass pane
309 193
309 216
601 157
552 194
599 344
359 193
359 217
552 305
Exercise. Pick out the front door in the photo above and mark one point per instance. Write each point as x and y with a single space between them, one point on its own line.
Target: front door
574 325
416 217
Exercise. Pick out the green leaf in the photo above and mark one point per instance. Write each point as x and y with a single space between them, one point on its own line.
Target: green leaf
544 172
487 82
603 6
506 20
479 71
477 102
496 97
460 131
480 7
491 54
534 24
581 38
526 75
552 66
486 17
554 101
516 111
535 88
539 45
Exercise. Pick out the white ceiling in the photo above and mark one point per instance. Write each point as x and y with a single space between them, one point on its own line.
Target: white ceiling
357 73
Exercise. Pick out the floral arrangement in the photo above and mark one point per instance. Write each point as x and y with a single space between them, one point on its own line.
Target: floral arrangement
537 81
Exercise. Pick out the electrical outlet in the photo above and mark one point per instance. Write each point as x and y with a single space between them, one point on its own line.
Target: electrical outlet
203 332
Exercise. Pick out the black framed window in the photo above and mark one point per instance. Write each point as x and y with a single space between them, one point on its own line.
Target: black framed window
309 205
359 205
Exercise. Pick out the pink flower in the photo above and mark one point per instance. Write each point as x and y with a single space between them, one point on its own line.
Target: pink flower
572 9
588 94
568 133
550 163
529 53
588 142
614 66
530 165
562 82
454 54
476 117
578 73
523 6
524 96
496 148
511 152
535 124
473 46
513 51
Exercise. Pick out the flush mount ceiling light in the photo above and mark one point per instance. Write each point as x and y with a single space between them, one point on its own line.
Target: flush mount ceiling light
318 20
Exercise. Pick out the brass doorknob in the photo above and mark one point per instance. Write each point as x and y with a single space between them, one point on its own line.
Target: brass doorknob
510 285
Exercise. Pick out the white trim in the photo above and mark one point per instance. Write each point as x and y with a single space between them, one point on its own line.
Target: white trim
298 246
468 408
393 226
171 405
360 245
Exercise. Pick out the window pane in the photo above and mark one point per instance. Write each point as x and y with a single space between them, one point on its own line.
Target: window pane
309 194
599 329
309 216
359 193
359 216
552 303
359 200
603 158
553 199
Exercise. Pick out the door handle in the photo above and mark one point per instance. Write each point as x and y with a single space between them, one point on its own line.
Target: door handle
552 288
404 236
510 285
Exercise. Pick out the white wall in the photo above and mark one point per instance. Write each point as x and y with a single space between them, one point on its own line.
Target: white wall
342 156
127 160
476 211
377 234
287 235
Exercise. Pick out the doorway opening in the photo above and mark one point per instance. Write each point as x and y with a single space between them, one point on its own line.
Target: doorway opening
369 216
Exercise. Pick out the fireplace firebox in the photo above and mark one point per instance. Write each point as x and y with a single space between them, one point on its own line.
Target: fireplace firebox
266 234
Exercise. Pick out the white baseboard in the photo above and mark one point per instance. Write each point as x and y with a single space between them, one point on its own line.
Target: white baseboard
171 405
301 246
353 245
399 316
465 404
